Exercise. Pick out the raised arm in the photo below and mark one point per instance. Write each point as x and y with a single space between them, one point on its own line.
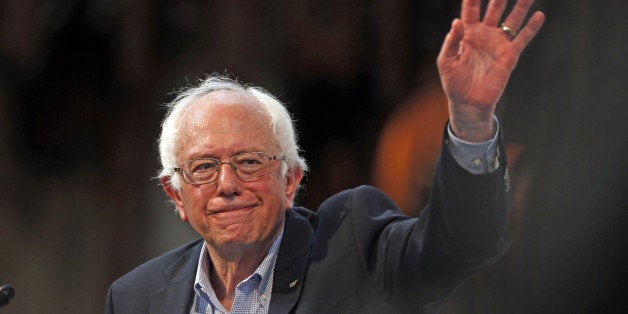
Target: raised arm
476 60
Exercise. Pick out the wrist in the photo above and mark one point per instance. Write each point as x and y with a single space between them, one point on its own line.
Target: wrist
473 130
472 123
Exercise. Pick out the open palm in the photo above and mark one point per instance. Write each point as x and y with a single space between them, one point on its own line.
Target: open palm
477 58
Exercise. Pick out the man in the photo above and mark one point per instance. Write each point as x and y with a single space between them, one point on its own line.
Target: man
231 167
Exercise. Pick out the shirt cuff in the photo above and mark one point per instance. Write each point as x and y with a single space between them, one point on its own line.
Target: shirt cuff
477 158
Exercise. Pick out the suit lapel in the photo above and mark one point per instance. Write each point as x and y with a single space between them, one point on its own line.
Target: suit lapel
177 295
292 260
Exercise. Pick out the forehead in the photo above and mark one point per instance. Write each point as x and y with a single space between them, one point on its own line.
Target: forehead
224 122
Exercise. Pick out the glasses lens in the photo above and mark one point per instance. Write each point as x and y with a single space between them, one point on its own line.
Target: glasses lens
251 165
202 170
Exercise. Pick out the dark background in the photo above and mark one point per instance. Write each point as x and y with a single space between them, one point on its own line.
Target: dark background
81 88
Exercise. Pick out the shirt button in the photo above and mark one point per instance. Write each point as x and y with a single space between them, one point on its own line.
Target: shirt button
477 162
264 296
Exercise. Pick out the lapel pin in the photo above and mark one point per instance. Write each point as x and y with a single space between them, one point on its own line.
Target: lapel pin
292 284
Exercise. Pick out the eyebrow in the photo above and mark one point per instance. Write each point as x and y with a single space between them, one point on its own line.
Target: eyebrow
237 152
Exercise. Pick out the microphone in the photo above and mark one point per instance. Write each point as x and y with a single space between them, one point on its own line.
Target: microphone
6 293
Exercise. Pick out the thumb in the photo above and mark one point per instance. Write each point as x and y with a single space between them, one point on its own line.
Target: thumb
452 42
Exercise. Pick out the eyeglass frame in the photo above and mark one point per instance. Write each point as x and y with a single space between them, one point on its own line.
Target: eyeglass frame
218 166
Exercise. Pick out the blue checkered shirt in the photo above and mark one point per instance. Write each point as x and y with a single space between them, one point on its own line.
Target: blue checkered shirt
252 294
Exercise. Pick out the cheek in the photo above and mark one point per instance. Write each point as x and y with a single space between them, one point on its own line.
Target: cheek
278 189
287 202
272 193
195 200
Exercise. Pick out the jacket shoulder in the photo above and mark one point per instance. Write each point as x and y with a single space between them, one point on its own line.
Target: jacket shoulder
155 271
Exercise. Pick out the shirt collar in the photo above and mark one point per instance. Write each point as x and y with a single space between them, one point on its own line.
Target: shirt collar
264 272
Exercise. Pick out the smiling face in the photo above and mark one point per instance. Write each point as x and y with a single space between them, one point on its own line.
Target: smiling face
230 214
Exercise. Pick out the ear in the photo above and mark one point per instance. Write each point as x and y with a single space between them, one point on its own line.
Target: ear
173 194
293 178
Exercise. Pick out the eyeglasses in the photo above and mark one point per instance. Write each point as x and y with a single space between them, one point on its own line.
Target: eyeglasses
246 166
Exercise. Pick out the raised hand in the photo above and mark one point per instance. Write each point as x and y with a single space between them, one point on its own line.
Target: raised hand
476 60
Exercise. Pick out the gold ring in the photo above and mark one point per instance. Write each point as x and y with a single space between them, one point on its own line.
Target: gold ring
508 30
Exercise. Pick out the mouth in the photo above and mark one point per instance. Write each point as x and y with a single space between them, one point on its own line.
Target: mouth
233 207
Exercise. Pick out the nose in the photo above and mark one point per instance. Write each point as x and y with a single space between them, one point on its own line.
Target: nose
227 182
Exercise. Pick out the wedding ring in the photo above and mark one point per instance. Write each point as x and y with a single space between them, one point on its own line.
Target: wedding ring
508 30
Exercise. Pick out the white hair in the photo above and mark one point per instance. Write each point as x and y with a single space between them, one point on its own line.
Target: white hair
279 118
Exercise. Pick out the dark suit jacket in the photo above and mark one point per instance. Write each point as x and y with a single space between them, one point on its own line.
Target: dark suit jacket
358 253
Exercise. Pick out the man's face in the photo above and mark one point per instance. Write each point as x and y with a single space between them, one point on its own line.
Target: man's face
231 214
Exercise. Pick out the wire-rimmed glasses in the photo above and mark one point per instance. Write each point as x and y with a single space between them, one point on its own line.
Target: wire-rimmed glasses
246 166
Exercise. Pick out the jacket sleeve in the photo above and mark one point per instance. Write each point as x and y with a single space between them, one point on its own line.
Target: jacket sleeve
109 302
418 262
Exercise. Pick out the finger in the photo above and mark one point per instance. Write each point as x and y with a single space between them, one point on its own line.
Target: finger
527 33
494 12
451 45
517 16
470 11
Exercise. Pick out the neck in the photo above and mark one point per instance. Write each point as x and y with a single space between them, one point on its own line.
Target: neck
230 268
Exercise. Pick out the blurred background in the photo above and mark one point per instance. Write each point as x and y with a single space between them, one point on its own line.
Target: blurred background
82 85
